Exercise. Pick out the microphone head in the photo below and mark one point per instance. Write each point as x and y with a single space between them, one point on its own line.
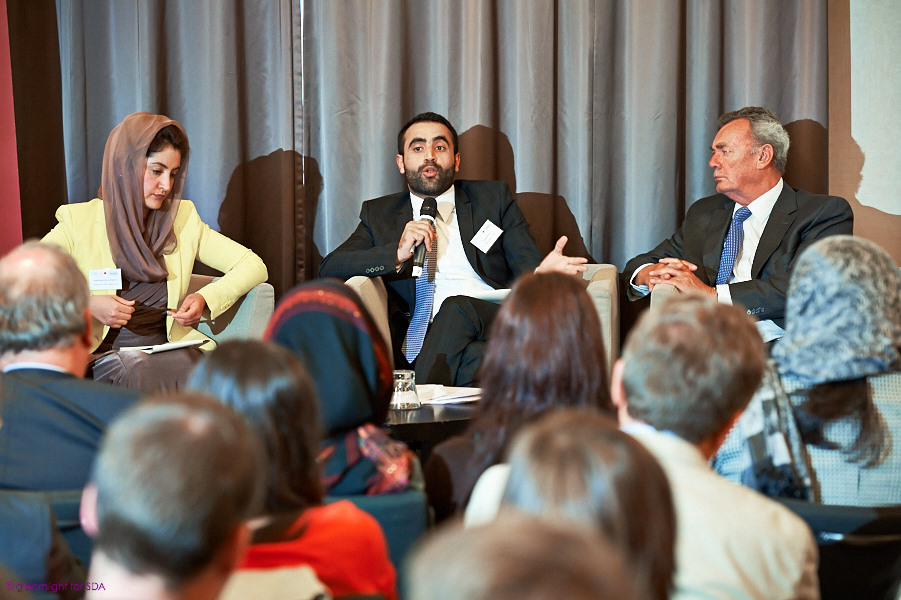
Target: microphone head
429 208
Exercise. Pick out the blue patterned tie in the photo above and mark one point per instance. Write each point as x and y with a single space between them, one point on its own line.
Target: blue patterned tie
425 296
733 245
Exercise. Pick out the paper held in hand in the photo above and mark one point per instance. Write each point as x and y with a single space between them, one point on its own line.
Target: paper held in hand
162 347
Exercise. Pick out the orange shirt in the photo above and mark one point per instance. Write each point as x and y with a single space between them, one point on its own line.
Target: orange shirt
343 544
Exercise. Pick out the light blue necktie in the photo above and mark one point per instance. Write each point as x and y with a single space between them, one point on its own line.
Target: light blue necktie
733 245
425 296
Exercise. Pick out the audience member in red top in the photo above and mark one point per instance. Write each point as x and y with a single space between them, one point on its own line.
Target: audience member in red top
344 545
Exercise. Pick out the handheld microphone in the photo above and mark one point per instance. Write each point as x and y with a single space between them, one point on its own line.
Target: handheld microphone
427 213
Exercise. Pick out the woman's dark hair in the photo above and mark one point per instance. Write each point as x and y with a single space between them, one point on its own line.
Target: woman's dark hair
269 386
576 465
170 135
828 402
546 351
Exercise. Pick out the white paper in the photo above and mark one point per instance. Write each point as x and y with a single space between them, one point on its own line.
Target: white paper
433 393
486 236
162 347
105 279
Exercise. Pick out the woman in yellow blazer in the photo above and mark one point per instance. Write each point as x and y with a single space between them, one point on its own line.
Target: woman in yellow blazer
137 244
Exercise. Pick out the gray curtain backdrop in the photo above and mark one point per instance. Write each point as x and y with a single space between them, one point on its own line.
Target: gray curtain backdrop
598 114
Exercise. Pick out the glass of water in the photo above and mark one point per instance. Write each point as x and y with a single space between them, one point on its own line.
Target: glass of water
405 396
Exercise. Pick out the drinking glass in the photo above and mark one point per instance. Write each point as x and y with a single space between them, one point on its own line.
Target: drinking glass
405 396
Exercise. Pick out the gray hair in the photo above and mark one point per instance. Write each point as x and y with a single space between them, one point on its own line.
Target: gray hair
43 299
691 365
765 128
176 476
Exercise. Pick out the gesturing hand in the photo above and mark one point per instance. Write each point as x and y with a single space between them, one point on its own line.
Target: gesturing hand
190 311
111 310
415 232
557 261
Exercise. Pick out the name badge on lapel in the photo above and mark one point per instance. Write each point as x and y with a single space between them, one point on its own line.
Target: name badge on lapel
486 236
105 279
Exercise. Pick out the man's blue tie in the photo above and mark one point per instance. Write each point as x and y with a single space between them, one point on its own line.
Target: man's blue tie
425 296
733 245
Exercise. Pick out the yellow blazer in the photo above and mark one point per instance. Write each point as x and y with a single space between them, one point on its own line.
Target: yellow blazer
81 232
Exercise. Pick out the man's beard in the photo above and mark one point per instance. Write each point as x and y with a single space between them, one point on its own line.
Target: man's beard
425 187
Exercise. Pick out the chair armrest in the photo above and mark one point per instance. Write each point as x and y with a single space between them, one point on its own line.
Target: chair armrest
603 288
374 294
660 293
246 319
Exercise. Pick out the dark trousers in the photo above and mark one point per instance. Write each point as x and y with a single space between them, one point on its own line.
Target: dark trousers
455 342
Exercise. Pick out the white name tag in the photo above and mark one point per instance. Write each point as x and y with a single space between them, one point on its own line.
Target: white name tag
486 236
105 279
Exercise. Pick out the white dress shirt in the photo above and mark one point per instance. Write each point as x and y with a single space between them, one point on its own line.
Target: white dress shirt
454 275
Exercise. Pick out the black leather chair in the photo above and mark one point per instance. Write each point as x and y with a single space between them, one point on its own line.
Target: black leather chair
860 549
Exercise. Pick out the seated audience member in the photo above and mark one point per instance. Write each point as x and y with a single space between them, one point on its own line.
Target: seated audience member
575 465
686 373
343 545
546 352
519 557
175 482
146 237
832 398
325 324
32 547
52 418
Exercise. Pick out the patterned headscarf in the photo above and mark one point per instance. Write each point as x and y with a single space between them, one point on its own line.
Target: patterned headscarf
138 244
325 324
843 313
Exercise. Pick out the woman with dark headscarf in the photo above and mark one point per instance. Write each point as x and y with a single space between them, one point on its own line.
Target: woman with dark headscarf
137 244
822 425
326 325
546 352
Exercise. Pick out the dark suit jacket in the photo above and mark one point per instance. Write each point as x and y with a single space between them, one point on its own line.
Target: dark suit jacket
371 249
52 425
798 219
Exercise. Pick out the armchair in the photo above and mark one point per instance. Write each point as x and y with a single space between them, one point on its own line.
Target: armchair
247 319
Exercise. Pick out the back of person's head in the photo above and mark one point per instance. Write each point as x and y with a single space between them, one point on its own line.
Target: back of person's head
43 299
326 325
690 366
842 326
272 390
519 557
576 465
176 479
765 129
427 117
842 313
546 350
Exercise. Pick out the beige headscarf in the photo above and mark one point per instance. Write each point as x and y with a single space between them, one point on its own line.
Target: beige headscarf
138 244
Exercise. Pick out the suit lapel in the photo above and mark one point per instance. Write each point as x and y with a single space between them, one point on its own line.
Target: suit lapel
781 218
463 208
717 226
